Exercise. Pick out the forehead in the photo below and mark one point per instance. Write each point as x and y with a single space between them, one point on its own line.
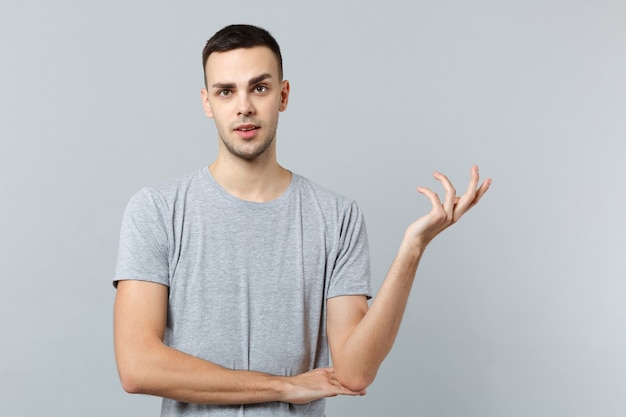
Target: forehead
240 65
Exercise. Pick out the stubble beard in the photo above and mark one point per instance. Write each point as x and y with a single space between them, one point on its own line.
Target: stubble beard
244 152
251 154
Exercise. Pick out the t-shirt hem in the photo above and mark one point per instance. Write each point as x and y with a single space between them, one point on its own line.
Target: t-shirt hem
144 279
367 293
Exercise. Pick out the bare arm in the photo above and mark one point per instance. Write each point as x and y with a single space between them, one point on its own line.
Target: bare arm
148 366
360 338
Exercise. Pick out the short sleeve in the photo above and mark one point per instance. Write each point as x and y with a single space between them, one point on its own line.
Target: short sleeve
351 273
143 247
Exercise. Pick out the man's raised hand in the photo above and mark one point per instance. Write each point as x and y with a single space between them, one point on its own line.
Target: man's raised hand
443 214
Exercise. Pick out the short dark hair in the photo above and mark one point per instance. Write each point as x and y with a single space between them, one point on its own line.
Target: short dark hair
241 36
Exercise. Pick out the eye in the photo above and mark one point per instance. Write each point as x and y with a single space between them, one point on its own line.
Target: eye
260 89
224 93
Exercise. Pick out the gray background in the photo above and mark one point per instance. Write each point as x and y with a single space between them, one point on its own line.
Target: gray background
517 311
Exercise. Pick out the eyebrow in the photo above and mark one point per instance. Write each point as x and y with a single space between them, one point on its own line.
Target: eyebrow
251 81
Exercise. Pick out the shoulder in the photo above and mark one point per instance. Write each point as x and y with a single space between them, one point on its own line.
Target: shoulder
167 192
322 193
326 199
175 185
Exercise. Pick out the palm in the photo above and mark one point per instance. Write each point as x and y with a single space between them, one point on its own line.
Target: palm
443 214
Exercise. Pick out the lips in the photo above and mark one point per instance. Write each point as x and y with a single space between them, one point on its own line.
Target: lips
246 127
246 131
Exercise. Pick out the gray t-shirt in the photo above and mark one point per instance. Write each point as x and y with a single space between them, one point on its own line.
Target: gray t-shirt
248 282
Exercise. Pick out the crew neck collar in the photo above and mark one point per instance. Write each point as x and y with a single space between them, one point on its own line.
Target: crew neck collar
284 196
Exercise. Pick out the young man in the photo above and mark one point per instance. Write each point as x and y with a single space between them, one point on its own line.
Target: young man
236 282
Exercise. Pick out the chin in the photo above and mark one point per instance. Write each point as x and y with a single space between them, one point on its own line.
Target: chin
248 154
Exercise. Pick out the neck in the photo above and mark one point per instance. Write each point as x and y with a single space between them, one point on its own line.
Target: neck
259 180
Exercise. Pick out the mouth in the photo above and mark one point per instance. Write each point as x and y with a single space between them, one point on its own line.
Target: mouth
246 127
246 131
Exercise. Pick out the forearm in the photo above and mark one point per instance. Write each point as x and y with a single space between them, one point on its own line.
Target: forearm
372 338
162 371
169 373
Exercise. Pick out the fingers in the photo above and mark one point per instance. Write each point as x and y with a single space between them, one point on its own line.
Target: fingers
465 203
480 192
474 177
450 197
454 206
473 194
432 196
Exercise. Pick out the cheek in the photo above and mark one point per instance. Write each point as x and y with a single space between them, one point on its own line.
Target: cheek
219 114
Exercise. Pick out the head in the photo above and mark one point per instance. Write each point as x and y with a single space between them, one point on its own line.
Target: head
241 36
244 91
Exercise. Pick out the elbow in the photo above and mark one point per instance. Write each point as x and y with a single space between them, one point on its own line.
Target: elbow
356 384
138 367
356 381
130 384
131 377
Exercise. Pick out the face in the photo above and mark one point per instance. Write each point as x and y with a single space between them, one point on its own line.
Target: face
244 96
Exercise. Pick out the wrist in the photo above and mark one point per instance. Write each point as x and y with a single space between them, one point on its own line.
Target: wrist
282 387
413 244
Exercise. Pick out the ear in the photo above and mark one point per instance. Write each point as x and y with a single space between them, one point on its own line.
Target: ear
204 94
284 95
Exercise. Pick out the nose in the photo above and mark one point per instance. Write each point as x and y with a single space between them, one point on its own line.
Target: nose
246 108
